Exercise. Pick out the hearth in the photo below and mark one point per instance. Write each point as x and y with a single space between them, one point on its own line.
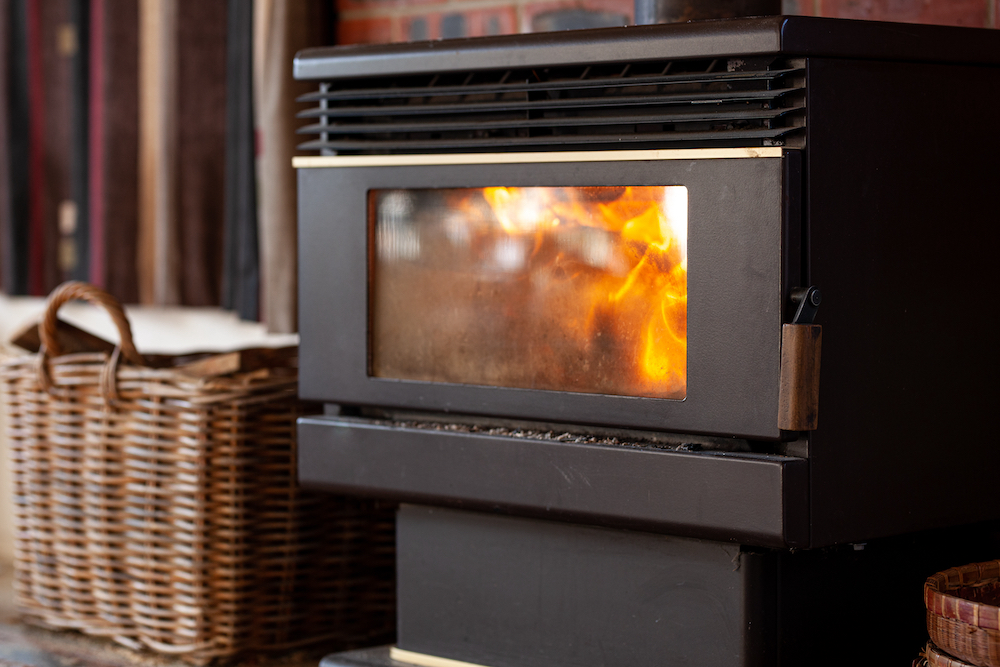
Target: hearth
561 296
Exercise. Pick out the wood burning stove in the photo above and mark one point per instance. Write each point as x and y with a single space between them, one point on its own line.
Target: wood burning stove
558 294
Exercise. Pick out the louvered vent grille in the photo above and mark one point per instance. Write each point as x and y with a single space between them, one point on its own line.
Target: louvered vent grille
717 102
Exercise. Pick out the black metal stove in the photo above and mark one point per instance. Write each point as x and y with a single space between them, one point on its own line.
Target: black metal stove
558 295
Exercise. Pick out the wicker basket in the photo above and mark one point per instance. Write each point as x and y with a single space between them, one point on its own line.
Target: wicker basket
963 616
935 657
157 504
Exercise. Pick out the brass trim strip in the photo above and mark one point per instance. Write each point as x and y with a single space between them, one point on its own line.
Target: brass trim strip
424 660
314 161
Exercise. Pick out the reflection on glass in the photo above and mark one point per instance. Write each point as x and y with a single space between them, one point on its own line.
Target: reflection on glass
573 289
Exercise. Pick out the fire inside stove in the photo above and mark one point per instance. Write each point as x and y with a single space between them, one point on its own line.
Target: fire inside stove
578 289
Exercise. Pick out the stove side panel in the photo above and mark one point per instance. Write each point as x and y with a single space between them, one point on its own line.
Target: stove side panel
902 234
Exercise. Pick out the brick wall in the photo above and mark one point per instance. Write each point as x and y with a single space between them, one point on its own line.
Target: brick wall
972 13
366 21
369 21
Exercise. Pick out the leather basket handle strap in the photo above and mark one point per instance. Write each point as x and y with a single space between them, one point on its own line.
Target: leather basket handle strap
70 291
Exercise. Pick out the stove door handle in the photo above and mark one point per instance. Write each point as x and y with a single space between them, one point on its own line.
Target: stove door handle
798 385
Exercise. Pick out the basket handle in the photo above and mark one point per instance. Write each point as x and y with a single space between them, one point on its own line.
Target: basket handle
70 291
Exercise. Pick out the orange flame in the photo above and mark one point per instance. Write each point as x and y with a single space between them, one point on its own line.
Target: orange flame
622 252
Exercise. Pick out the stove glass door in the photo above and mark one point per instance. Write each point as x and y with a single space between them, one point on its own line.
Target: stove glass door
580 289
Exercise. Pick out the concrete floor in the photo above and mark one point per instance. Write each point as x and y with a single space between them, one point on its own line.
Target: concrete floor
27 646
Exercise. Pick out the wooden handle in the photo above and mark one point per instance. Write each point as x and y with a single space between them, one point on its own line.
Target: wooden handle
798 389
68 291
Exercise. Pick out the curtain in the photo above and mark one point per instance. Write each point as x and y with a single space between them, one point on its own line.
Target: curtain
153 143
182 121
11 52
240 277
281 27
114 146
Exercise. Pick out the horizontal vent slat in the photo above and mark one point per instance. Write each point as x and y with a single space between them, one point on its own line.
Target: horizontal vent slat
416 144
575 121
733 102
588 102
486 89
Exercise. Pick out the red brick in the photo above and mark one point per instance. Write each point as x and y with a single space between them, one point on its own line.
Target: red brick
366 31
381 7
996 13
533 9
944 12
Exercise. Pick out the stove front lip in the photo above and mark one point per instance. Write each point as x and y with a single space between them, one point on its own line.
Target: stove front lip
739 255
747 498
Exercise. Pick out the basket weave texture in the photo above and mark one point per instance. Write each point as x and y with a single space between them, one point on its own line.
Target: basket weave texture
938 658
963 616
160 508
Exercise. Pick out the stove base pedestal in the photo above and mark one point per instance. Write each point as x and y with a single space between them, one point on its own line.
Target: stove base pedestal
501 591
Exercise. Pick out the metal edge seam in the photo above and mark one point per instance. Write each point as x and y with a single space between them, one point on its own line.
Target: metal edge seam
413 160
424 660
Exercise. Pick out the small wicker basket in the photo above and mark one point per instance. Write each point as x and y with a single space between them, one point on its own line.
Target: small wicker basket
158 506
935 657
963 616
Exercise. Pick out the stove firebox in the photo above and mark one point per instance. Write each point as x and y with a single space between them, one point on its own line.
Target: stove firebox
565 289
558 293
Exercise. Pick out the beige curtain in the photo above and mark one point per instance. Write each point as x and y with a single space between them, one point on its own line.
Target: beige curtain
281 27
158 248
182 146
182 130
